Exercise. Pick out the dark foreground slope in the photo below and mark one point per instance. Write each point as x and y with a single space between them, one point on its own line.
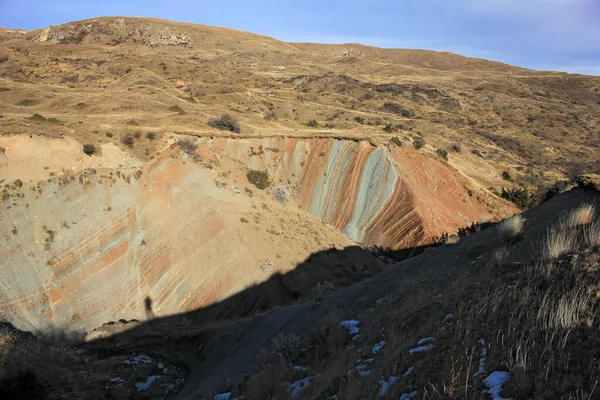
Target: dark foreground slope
516 301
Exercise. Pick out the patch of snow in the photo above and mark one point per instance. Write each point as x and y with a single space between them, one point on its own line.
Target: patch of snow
409 371
448 317
141 386
352 326
408 396
494 383
378 346
334 397
299 368
426 340
381 300
139 359
223 396
482 360
117 379
420 349
385 385
366 372
297 387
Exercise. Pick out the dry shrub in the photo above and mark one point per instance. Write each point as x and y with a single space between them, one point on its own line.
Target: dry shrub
511 228
187 145
591 234
499 257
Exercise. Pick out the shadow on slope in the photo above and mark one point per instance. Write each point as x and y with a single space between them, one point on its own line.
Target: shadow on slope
220 344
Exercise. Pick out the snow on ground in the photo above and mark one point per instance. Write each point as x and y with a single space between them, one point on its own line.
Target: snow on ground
141 386
139 359
420 349
448 317
223 396
378 346
494 383
299 368
365 372
409 371
426 340
352 326
482 356
297 387
386 384
408 396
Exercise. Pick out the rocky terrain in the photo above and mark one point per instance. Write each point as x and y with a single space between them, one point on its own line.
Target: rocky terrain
228 187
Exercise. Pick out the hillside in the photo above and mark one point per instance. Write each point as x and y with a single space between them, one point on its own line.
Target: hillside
192 193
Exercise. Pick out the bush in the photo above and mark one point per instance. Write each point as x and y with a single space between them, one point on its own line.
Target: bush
511 228
442 154
150 135
81 106
187 145
419 143
133 122
456 148
389 128
260 179
225 122
40 118
396 140
127 141
270 115
137 135
178 110
312 123
89 149
521 197
506 176
358 119
28 102
398 109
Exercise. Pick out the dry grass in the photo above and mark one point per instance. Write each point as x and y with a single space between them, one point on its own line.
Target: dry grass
558 242
591 234
582 215
511 228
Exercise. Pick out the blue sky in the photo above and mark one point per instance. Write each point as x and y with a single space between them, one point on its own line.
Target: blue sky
541 34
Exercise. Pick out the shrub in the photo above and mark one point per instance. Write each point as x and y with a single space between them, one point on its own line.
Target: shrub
511 228
419 143
270 115
89 149
150 135
187 145
108 134
81 106
442 154
312 123
137 134
388 128
260 179
396 140
506 176
225 122
28 102
40 118
127 141
178 110
358 119
398 109
133 122
456 148
521 197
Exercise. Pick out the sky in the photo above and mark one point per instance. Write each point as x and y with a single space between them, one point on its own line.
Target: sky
559 35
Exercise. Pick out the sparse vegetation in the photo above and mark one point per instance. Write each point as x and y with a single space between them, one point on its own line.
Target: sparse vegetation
506 176
177 109
40 118
456 148
187 145
270 115
4 89
396 140
81 106
133 122
419 142
312 123
89 149
442 154
260 179
225 122
28 103
150 135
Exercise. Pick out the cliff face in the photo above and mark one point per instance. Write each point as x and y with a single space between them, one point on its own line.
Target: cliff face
390 197
175 234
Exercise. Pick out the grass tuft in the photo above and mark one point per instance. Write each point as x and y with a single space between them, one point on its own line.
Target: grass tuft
511 228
